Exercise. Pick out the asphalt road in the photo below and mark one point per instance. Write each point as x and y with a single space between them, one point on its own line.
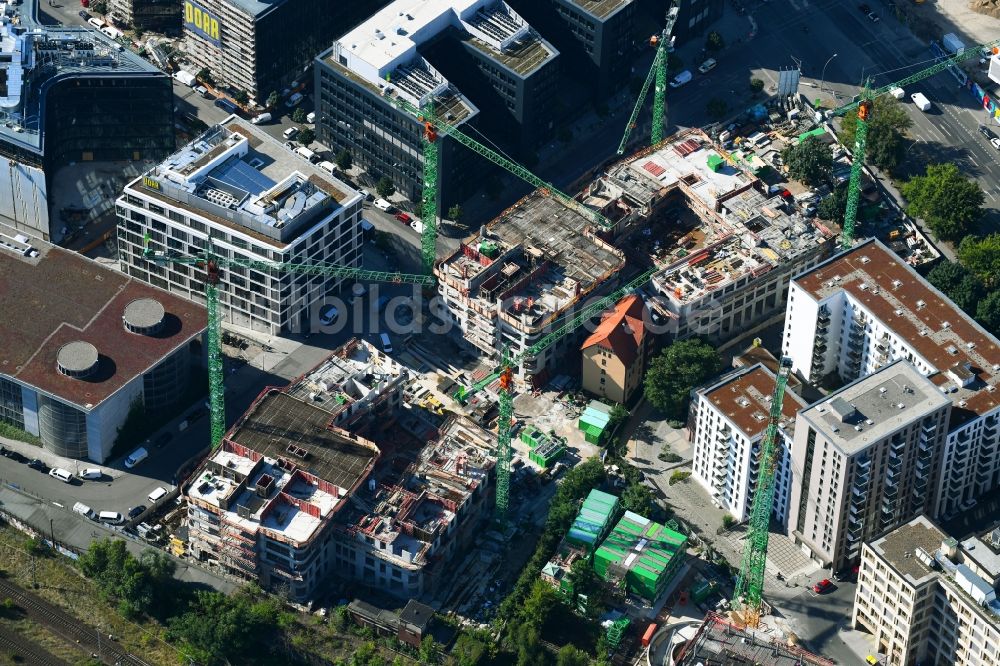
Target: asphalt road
820 617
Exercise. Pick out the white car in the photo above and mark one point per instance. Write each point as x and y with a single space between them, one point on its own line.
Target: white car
995 142
707 66
91 473
328 314
61 474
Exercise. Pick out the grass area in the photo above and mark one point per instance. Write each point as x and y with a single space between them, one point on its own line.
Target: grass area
47 640
13 432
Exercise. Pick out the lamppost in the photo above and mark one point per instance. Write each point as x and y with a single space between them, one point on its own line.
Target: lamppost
822 78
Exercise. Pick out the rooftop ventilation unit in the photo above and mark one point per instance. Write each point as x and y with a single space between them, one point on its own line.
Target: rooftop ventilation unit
899 313
896 284
900 405
864 286
920 305
946 324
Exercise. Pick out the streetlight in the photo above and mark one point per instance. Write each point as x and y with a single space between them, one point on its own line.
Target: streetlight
822 78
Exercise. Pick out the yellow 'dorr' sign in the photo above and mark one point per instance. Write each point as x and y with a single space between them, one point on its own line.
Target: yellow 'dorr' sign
201 22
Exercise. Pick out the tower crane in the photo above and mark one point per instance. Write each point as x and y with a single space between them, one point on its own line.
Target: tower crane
864 105
211 264
750 584
657 71
505 374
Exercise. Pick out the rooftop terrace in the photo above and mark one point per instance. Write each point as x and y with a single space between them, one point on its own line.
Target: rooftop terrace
745 399
966 356
601 8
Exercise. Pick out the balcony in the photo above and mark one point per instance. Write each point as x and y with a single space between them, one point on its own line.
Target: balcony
823 316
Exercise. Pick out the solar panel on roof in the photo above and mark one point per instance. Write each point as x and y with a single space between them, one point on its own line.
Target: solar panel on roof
240 174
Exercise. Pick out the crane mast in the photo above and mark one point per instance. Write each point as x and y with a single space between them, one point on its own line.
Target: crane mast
658 73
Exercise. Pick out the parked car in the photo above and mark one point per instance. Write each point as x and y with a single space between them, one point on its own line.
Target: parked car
110 517
61 474
995 142
202 90
196 414
403 217
681 79
366 195
84 14
707 66
16 457
290 133
987 132
873 17
822 586
91 473
35 463
328 314
136 511
384 205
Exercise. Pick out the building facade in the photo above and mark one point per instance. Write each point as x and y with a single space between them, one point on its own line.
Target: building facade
922 603
102 346
616 353
865 308
257 202
729 419
158 15
865 460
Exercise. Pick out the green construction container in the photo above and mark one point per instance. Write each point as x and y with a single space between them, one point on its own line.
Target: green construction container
715 162
593 421
702 591
594 520
547 452
643 554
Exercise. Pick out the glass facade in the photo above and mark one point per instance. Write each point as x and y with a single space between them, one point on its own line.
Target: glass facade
11 407
164 385
62 427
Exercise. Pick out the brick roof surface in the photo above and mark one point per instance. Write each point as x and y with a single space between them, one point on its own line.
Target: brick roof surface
745 400
62 297
918 313
622 331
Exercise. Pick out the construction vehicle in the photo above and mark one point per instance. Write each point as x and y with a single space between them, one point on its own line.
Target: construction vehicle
211 263
747 596
658 71
864 104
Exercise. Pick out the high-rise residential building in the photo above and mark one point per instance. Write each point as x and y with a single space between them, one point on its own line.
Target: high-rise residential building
246 45
81 346
257 201
70 95
865 308
922 601
461 57
614 356
865 460
729 419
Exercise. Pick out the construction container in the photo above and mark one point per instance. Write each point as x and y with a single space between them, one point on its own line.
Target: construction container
640 555
702 591
648 635
596 516
547 453
594 420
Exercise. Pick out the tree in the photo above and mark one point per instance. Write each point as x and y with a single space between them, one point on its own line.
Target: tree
539 604
344 160
810 161
885 147
384 187
637 498
981 256
306 136
242 97
834 205
958 284
273 99
468 650
298 115
678 369
455 213
616 417
988 312
529 650
756 85
137 586
205 75
220 629
570 655
948 201
716 108
714 42
428 650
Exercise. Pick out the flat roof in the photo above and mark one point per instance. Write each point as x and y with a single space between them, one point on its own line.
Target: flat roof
61 297
278 425
875 406
898 547
601 8
934 327
256 8
745 399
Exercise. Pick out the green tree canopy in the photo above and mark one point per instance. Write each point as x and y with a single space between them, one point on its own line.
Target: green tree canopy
958 284
137 586
889 121
468 650
570 655
948 201
810 161
204 74
241 97
714 42
981 256
306 136
219 629
834 205
273 99
344 160
384 187
756 85
679 368
638 499
988 312
455 213
298 115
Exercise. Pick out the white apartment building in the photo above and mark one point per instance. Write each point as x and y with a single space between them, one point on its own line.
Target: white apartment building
258 202
864 461
922 603
865 308
730 418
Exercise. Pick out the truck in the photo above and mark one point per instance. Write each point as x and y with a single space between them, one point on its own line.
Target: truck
921 102
953 44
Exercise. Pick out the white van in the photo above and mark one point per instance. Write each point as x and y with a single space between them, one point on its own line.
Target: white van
327 166
707 66
136 457
96 22
898 93
305 152
154 496
84 510
922 102
261 119
386 344
61 474
311 117
110 517
680 79
382 204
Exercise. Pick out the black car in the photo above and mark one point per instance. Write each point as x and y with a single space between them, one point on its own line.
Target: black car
161 440
987 132
136 511
16 457
84 14
35 463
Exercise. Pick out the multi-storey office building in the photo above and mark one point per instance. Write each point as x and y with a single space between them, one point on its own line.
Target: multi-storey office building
256 201
865 460
81 345
70 94
158 15
246 45
730 418
409 50
923 603
865 308
694 17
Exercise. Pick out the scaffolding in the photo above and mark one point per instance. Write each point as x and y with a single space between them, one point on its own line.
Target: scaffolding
722 643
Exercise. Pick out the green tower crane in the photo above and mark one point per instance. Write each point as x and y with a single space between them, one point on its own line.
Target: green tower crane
864 104
750 584
657 72
428 209
211 264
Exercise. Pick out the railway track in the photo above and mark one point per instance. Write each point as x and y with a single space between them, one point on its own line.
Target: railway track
68 627
19 647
